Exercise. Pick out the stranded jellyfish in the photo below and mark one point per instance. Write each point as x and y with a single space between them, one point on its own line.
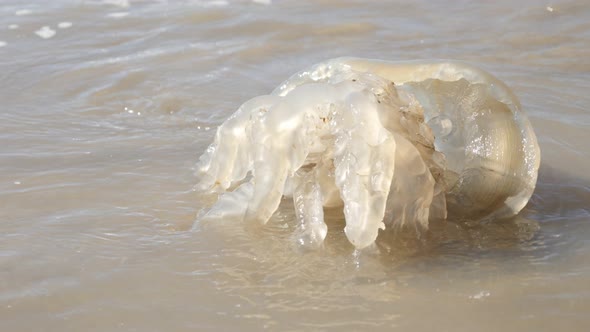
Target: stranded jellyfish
391 143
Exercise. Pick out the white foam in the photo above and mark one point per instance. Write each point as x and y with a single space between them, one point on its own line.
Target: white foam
45 32
13 27
480 295
549 9
22 12
216 3
118 3
118 14
64 25
263 2
2 43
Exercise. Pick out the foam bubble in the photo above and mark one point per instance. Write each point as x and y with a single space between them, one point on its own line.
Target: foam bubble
45 32
2 43
13 27
118 14
22 12
118 3
480 295
263 2
64 25
216 3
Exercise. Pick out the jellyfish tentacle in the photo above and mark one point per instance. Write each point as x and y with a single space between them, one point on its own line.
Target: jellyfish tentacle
269 169
269 177
412 188
364 168
229 159
231 204
308 198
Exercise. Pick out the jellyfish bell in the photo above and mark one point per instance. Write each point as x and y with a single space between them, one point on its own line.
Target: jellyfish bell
393 143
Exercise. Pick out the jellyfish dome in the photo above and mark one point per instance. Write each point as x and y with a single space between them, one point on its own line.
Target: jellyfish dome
392 143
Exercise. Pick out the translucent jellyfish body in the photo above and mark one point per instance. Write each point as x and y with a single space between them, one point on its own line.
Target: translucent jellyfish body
392 143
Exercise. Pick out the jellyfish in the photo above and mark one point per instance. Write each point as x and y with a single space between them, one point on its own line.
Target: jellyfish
392 144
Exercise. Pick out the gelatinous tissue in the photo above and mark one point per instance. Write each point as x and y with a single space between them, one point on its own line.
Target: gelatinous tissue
392 143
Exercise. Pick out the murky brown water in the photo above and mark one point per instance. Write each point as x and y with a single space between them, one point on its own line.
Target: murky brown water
103 119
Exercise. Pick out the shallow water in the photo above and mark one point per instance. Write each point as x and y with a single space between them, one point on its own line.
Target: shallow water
105 112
